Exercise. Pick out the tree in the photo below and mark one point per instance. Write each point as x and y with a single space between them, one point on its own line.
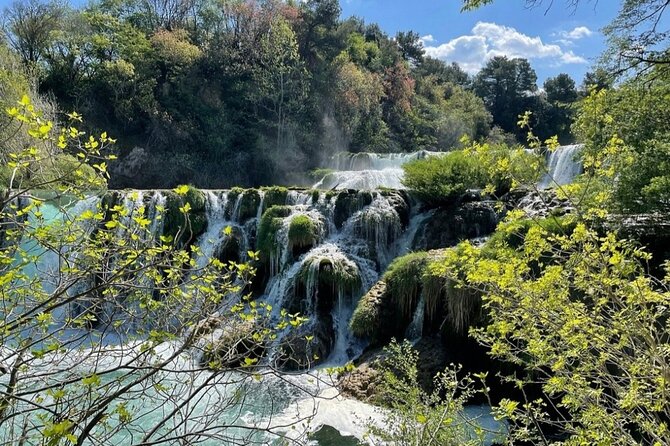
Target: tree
577 307
442 71
633 119
507 87
561 89
410 46
597 80
561 97
30 27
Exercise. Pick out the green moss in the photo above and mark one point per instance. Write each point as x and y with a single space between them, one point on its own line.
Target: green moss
366 322
196 198
404 280
302 232
233 194
315 196
337 272
274 196
271 222
246 201
251 199
175 221
344 276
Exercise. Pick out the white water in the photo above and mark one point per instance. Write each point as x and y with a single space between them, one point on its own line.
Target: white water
362 179
563 166
415 329
367 171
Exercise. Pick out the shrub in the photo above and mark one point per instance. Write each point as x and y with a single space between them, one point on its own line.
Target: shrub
440 180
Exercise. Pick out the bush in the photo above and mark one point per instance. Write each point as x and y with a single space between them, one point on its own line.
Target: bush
440 180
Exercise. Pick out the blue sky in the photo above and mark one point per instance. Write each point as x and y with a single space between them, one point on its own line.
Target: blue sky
558 40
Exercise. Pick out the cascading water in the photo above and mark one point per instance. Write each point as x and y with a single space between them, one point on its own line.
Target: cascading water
361 171
563 165
351 238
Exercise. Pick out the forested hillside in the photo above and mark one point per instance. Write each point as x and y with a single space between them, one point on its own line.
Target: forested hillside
223 93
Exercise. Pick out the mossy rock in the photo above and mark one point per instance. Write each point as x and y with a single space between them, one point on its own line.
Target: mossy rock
349 202
449 226
274 196
247 208
109 199
196 198
231 245
271 222
367 321
338 274
175 221
302 350
332 278
302 233
316 194
404 279
401 203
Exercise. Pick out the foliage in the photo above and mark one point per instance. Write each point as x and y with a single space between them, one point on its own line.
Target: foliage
261 90
418 418
575 307
507 87
441 179
625 132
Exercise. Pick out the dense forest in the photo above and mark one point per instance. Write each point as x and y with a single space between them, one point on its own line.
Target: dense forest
254 89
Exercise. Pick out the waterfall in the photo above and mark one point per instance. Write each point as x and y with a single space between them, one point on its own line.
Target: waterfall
366 171
563 166
348 238
415 328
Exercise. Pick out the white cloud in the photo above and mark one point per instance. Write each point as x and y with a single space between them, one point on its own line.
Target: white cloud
579 32
427 39
488 40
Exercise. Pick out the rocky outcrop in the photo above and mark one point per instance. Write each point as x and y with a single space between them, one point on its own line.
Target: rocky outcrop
537 203
449 226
